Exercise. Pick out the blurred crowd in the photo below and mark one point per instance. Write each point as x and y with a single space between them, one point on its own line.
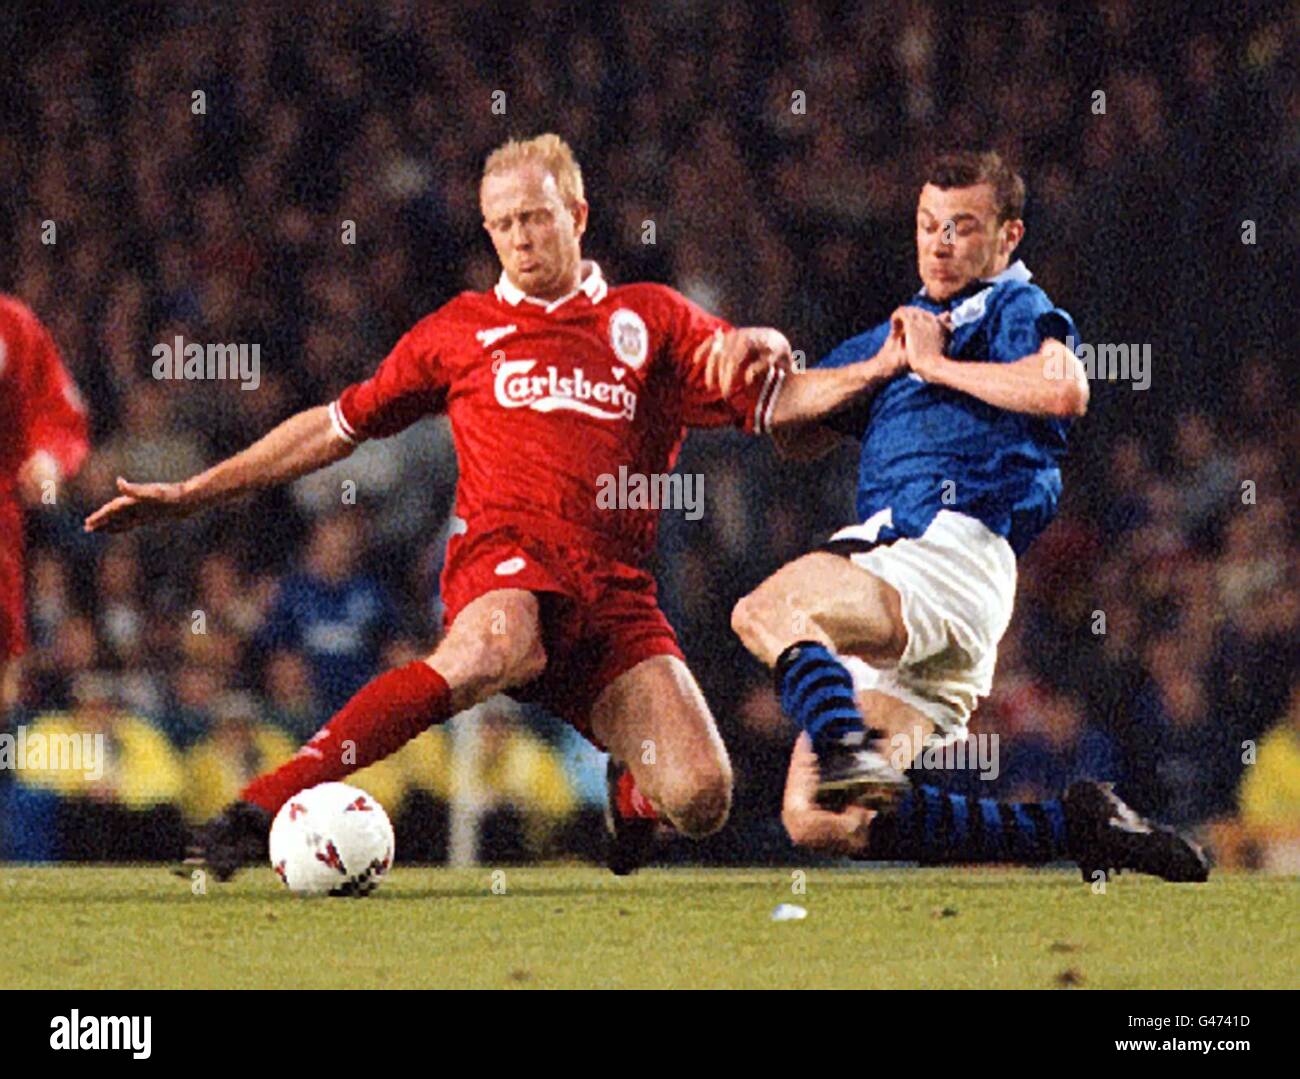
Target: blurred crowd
205 170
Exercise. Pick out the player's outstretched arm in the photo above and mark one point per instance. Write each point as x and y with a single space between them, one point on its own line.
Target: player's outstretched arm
812 395
809 397
806 397
301 444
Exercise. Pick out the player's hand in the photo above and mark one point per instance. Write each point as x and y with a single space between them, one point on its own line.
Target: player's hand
37 475
742 356
925 336
809 824
139 504
921 330
892 357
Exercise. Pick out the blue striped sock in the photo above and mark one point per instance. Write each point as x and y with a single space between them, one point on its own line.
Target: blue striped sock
932 826
816 691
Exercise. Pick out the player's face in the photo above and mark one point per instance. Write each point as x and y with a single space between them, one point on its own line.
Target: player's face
959 238
536 236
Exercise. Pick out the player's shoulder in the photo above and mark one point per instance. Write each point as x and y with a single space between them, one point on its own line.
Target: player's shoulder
1016 293
652 290
1021 294
19 327
647 297
1016 303
465 308
872 336
861 346
15 312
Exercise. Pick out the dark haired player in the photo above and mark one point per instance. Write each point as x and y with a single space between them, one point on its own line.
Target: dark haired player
892 627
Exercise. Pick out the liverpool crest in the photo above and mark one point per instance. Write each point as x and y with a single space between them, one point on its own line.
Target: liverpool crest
627 334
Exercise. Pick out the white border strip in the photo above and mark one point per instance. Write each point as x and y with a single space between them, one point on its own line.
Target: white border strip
341 426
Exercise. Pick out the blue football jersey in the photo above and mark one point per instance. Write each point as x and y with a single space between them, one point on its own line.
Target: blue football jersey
928 448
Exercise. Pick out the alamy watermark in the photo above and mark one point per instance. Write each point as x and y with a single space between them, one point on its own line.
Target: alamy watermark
195 362
657 491
25 750
1106 361
132 1033
978 752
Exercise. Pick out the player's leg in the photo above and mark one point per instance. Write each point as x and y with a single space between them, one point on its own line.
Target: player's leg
494 644
1090 825
654 720
826 599
802 620
935 638
927 824
845 831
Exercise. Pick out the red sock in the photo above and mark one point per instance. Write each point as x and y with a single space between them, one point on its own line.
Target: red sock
630 802
383 715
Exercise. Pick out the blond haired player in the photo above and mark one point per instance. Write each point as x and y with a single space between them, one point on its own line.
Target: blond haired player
550 379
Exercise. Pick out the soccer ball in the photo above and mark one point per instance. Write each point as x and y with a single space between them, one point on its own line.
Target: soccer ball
332 839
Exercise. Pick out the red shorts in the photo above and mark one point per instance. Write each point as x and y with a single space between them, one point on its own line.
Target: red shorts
600 617
13 614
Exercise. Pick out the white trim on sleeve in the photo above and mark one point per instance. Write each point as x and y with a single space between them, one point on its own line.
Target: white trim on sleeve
767 401
341 426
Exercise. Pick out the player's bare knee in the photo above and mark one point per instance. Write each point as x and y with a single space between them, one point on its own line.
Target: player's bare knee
752 620
701 806
529 660
744 616
514 659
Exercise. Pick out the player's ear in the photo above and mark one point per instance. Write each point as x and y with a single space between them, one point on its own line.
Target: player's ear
1013 232
578 208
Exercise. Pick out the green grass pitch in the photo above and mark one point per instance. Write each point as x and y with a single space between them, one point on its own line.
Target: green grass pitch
566 926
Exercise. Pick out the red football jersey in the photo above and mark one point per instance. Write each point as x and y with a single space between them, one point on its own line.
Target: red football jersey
545 399
40 408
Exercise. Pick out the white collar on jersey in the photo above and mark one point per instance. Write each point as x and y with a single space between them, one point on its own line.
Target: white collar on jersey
1017 271
593 284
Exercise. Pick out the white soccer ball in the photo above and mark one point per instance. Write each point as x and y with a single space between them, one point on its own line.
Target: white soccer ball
332 839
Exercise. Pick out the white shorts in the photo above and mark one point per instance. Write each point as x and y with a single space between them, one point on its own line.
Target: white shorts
957 583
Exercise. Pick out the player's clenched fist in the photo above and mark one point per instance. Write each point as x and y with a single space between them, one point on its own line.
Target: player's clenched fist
138 504
730 358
